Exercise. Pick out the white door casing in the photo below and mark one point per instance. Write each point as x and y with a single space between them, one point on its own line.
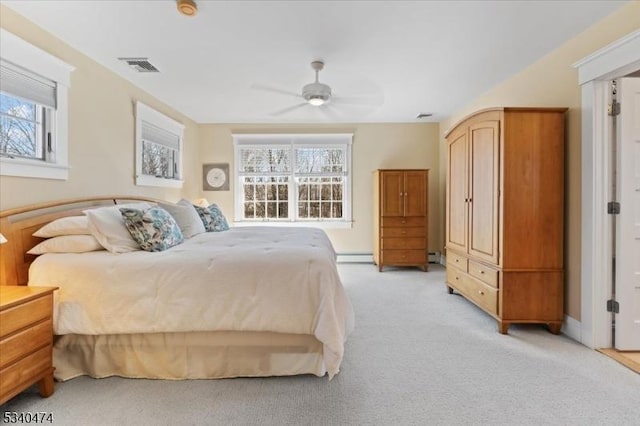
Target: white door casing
594 73
627 320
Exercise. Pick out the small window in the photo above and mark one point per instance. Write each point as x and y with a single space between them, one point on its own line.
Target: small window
158 148
33 111
286 179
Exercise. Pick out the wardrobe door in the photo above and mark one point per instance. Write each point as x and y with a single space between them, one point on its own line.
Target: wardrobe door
457 178
392 193
415 193
483 202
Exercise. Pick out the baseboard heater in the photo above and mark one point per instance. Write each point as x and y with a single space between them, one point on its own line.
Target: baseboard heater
434 257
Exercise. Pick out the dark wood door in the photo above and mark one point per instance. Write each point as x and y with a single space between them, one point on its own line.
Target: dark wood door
415 193
392 193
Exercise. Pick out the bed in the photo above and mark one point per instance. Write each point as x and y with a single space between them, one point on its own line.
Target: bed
247 302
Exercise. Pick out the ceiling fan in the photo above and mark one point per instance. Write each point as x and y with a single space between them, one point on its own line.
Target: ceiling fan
318 94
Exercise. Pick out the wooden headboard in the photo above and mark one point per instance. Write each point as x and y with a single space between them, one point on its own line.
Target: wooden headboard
17 225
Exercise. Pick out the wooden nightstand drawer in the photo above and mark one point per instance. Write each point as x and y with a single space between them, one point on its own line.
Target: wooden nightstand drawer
21 316
24 342
24 371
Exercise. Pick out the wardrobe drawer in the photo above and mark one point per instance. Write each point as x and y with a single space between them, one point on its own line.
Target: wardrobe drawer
457 261
404 221
484 273
403 232
404 243
481 294
404 257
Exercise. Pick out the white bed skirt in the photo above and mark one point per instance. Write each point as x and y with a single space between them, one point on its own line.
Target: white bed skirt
194 355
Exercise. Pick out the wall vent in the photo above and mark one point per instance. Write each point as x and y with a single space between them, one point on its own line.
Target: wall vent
140 64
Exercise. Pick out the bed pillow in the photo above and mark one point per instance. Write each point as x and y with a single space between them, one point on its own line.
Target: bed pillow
71 225
186 216
67 244
154 229
106 224
212 217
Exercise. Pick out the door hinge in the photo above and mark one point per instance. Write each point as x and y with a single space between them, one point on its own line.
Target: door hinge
613 306
613 207
613 108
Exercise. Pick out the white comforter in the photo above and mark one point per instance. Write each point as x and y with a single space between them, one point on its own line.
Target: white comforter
245 279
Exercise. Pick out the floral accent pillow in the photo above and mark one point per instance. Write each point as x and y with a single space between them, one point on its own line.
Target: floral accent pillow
154 229
212 217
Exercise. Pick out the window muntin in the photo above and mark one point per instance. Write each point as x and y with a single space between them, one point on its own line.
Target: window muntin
304 180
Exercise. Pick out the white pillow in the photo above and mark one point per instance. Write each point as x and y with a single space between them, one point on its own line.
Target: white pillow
187 217
107 225
71 225
67 244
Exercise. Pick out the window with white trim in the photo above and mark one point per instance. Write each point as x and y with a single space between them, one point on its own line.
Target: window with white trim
158 148
33 111
284 178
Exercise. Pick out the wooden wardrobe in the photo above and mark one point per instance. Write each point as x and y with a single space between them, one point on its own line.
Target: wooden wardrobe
504 214
400 217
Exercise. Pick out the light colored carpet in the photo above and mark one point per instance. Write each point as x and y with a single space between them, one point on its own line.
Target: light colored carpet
417 356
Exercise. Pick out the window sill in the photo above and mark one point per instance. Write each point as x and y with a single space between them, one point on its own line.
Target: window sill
154 181
33 169
313 224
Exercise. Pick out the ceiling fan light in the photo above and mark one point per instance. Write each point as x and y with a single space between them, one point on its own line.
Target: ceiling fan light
317 101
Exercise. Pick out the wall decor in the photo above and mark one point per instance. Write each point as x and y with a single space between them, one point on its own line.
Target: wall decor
215 177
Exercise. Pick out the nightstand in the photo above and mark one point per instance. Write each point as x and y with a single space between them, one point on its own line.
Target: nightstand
26 339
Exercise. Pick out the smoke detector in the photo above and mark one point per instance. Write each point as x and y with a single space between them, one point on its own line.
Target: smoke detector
187 7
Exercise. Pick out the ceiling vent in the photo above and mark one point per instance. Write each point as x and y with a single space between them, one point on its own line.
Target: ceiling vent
424 115
140 64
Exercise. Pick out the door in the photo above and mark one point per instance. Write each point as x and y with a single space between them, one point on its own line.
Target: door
456 227
627 329
392 188
484 149
415 193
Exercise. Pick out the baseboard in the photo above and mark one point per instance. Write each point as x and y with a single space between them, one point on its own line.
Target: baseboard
434 257
572 328
443 260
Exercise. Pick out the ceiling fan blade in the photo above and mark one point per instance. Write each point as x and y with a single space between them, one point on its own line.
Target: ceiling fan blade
329 111
275 90
289 109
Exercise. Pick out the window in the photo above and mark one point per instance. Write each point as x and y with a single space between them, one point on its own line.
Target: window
158 148
33 111
293 178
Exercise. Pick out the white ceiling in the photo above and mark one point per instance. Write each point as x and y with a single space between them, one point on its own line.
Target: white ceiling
396 58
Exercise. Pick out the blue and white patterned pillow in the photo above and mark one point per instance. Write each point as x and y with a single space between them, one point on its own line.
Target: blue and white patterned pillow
154 229
212 217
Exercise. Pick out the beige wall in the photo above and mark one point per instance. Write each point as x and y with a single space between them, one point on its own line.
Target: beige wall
374 146
552 81
101 131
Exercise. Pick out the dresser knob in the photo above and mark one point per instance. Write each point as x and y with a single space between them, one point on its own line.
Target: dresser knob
481 292
482 272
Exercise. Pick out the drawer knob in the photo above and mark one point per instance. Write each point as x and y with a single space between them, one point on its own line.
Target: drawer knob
457 260
482 272
457 278
404 221
481 293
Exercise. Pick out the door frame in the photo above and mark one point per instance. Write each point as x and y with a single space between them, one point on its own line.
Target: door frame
594 74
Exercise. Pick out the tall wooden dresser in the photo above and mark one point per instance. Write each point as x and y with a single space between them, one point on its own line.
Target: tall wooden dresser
504 214
400 218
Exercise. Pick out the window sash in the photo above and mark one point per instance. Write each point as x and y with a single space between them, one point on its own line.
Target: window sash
34 147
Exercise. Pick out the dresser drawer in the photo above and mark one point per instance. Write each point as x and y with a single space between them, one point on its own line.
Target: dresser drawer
25 371
398 222
404 243
403 232
484 273
25 342
404 257
18 317
457 261
483 295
